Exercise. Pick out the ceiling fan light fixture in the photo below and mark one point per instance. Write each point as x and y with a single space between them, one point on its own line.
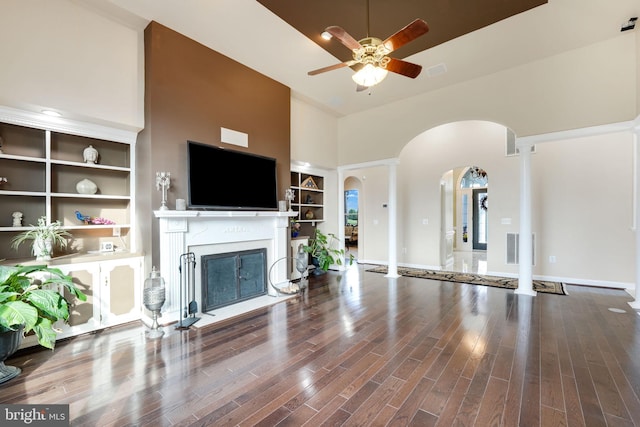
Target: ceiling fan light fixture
369 75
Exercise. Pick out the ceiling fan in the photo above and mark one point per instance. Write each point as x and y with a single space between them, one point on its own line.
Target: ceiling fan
370 55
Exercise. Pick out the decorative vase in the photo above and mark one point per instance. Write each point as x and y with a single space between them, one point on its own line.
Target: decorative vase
90 154
42 249
9 343
308 214
86 186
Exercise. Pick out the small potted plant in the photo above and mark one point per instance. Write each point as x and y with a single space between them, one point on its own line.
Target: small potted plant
45 237
323 251
31 299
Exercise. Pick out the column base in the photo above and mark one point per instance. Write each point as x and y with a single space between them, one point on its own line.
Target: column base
525 292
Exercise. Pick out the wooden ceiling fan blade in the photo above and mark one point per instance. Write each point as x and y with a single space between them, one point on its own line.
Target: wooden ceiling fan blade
344 37
405 68
331 68
407 34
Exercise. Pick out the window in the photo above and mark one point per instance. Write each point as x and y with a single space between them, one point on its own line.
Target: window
351 207
474 178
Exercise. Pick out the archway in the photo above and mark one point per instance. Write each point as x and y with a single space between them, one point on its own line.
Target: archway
430 221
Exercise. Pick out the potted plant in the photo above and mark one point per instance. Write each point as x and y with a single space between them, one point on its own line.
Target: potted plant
45 237
324 251
31 300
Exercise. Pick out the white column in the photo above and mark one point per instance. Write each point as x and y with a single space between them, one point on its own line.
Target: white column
280 249
525 278
172 240
341 210
636 191
393 220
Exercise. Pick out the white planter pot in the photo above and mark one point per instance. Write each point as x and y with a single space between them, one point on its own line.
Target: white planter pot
42 249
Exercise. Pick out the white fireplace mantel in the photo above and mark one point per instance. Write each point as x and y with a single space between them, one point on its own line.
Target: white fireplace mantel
212 232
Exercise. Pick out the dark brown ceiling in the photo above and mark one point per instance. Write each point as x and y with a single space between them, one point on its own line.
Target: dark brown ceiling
447 19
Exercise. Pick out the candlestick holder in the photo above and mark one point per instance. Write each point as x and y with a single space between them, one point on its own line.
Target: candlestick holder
163 183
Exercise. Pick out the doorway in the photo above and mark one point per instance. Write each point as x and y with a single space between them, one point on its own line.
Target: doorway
352 229
471 210
480 222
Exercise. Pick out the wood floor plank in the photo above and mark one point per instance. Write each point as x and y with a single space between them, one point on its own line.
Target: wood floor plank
476 392
405 413
366 413
358 349
492 406
573 409
454 411
328 412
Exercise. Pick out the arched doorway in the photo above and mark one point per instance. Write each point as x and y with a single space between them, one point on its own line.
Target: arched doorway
471 217
352 214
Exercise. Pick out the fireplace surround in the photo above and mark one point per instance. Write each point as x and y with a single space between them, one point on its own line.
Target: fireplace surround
207 233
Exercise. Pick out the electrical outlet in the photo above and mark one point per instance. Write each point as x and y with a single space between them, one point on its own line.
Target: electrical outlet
106 247
116 231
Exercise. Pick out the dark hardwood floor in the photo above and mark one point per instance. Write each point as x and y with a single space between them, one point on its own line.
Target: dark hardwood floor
359 349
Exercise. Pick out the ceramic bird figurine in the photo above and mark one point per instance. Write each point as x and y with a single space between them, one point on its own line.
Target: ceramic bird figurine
93 220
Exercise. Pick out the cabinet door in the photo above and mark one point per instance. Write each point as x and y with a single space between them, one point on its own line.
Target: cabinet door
84 316
120 284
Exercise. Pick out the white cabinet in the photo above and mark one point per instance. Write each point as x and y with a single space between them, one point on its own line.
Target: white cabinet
113 289
113 286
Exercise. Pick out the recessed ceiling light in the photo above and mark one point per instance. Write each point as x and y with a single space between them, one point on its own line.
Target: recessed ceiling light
51 113
325 35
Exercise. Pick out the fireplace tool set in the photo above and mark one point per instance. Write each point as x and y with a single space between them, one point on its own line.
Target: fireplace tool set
188 304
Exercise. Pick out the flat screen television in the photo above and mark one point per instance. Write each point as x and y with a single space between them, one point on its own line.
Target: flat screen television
223 179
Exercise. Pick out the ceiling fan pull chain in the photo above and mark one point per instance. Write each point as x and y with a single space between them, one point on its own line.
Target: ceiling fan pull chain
368 21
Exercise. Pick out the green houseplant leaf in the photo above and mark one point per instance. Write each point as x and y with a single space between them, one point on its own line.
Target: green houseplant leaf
31 296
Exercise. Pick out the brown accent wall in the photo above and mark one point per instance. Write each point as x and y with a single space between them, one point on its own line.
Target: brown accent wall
191 92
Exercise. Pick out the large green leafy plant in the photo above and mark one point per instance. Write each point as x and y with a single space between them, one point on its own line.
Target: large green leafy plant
29 297
323 248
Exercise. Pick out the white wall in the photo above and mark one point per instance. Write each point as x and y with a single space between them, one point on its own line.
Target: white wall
585 87
60 55
583 208
314 135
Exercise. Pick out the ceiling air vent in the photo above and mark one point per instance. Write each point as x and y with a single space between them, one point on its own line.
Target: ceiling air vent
436 70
